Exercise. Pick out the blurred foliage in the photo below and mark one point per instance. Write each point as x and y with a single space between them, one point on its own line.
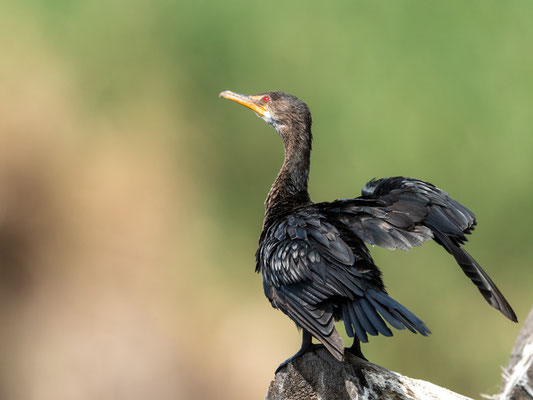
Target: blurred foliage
132 197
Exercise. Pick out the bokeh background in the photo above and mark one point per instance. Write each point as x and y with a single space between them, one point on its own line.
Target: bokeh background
131 196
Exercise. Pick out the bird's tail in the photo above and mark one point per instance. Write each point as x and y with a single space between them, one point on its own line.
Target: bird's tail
477 275
367 314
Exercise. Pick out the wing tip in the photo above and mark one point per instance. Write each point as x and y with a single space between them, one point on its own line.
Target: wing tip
504 307
478 276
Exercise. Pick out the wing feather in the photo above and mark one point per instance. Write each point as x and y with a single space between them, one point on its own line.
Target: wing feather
311 273
400 213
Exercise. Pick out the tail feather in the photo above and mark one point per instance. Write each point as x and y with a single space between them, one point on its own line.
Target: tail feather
350 320
375 318
394 320
409 320
361 319
368 315
348 325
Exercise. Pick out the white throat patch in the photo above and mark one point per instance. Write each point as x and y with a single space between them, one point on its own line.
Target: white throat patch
267 117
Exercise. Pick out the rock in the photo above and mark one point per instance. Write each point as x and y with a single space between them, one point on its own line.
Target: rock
518 375
318 376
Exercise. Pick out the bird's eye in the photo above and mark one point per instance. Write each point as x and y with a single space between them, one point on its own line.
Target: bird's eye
265 99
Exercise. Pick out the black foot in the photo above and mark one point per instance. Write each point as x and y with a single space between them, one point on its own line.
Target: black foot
299 353
307 344
356 350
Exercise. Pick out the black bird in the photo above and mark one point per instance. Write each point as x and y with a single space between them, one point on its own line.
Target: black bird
315 265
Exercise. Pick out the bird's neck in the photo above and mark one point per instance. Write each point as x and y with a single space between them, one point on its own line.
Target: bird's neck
289 190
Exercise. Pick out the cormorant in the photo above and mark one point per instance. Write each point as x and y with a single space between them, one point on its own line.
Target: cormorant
315 265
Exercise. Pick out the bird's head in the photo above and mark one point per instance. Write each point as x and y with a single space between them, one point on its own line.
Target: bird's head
286 113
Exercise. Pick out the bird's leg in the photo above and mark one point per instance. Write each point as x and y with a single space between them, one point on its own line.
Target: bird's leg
307 344
356 349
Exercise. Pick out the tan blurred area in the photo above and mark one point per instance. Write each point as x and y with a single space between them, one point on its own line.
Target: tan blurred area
85 288
105 292
87 300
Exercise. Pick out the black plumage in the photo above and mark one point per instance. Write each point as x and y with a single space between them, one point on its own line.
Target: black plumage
313 259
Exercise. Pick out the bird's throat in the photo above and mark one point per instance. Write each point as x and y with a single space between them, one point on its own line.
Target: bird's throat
289 190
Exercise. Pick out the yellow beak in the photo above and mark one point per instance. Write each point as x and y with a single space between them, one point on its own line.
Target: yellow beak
247 101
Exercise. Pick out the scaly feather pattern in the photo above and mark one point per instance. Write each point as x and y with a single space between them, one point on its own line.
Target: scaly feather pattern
313 275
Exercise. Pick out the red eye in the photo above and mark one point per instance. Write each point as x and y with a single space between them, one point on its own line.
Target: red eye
265 99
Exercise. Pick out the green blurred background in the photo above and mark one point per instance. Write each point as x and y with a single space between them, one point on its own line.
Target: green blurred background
131 196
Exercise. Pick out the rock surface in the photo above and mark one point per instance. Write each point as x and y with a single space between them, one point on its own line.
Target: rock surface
318 376
518 375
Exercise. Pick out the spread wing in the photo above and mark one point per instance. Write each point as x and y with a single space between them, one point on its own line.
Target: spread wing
312 275
399 213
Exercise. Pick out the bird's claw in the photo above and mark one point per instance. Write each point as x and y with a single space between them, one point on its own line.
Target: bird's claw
299 353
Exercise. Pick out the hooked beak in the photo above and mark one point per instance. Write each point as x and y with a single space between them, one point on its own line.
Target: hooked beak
247 101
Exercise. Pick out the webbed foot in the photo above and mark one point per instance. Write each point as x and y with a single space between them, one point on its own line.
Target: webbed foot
356 350
299 353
